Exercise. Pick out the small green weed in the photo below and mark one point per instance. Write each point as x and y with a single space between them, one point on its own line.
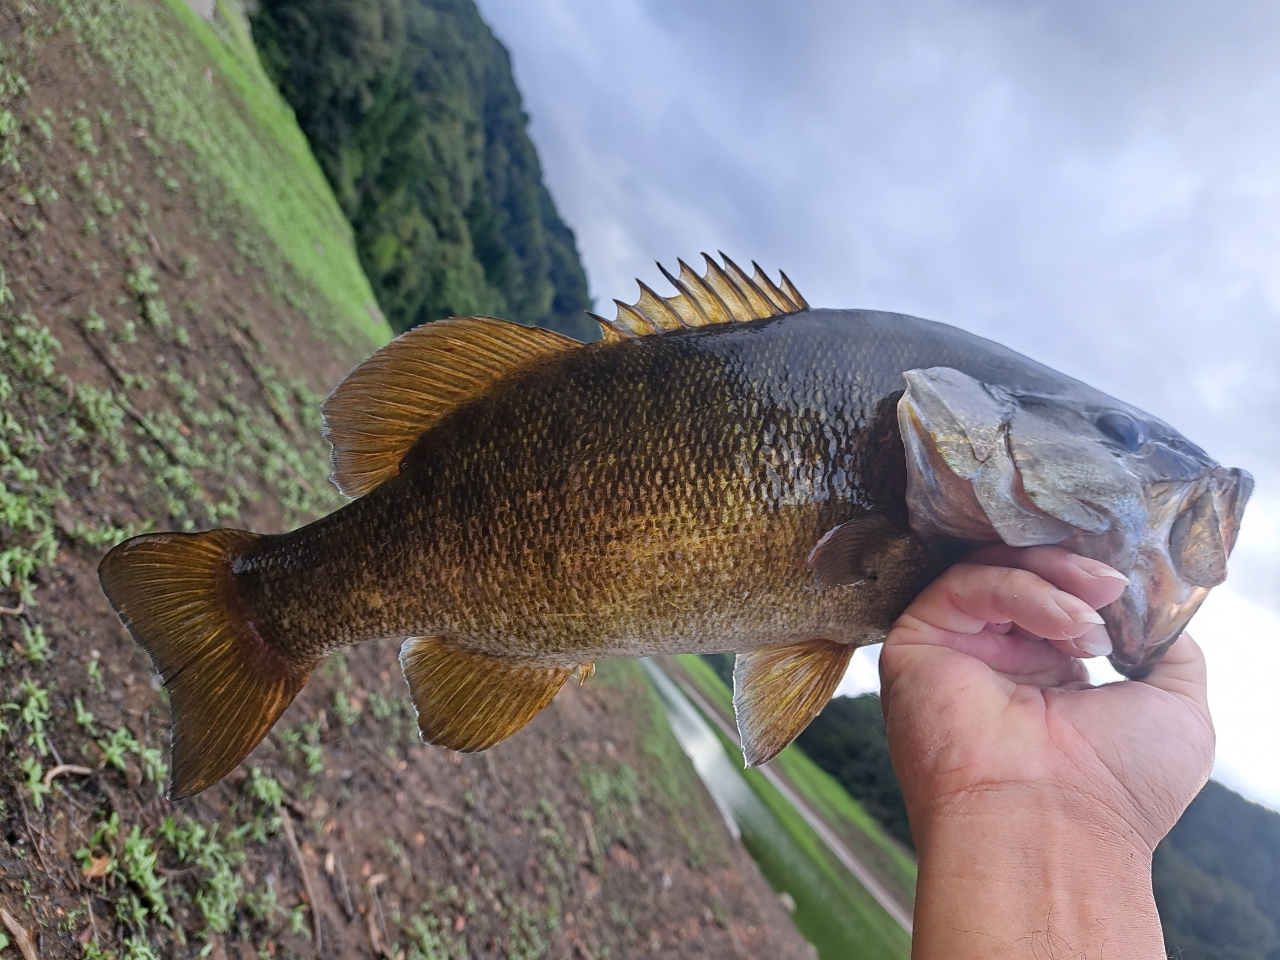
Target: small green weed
82 135
35 780
429 941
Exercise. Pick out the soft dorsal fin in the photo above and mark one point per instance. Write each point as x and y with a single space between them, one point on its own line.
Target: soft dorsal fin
377 413
722 295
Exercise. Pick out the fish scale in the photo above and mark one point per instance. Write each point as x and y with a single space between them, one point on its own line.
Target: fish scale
726 470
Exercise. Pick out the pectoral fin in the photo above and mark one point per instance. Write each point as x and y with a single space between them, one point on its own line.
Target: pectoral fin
777 691
846 554
469 701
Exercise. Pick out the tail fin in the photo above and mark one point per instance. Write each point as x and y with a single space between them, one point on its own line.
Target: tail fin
227 686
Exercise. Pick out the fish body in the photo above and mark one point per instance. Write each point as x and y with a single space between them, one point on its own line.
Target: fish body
781 483
625 499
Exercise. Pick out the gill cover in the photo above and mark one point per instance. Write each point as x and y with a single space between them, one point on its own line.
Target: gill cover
982 466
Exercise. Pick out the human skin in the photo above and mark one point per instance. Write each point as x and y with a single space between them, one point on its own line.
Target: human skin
1035 799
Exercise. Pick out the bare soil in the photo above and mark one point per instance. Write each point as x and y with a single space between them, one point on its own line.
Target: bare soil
587 835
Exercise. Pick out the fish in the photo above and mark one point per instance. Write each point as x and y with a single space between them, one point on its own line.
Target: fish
727 469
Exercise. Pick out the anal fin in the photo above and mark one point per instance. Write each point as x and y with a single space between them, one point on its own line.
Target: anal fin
467 700
778 690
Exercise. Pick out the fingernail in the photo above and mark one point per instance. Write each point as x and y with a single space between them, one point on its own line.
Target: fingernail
1096 568
1095 642
1075 608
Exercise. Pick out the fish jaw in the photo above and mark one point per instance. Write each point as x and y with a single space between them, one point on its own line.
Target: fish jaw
1182 555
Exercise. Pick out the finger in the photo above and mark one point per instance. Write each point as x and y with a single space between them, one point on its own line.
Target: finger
1018 656
1094 642
1091 580
967 597
938 659
1182 671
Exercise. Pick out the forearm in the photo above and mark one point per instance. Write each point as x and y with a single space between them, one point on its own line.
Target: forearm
1028 877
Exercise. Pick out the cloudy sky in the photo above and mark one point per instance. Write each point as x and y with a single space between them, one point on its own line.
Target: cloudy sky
1094 184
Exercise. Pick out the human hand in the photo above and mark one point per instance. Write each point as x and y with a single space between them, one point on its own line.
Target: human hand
1002 745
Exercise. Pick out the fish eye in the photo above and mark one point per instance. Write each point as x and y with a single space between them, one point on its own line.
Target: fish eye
1125 430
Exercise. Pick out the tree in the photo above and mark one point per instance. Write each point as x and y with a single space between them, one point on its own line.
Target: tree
411 108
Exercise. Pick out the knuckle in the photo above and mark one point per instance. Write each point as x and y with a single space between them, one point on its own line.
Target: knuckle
1015 582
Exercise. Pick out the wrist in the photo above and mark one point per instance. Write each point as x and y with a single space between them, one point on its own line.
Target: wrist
1018 872
1045 809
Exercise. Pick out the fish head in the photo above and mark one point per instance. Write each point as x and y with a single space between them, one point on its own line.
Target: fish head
1056 462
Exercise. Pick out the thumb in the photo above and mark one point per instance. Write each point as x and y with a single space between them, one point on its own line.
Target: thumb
1181 671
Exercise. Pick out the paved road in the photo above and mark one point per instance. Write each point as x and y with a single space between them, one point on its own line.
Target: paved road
838 847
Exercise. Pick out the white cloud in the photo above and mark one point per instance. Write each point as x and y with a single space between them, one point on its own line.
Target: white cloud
863 675
1095 184
1241 642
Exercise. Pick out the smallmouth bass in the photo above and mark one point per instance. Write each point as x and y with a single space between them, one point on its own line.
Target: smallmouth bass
728 469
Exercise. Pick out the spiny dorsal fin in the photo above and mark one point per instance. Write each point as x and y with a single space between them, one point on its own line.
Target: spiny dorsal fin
377 413
724 294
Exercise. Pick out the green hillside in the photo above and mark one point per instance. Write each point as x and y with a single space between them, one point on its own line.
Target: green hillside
1217 879
178 291
412 111
848 741
838 915
258 161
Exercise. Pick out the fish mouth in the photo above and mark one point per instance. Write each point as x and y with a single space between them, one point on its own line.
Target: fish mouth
1191 529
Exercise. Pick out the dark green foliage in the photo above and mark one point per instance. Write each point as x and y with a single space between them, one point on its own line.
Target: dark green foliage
722 664
847 740
1217 880
413 113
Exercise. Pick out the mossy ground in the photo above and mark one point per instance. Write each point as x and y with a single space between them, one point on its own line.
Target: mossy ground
175 298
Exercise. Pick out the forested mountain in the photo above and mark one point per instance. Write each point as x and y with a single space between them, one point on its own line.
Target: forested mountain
412 111
1217 879
1216 876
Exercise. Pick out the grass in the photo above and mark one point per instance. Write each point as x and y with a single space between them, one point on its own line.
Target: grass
846 911
197 79
824 794
190 445
833 803
666 777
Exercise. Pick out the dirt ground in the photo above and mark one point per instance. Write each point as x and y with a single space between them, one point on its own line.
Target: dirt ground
182 393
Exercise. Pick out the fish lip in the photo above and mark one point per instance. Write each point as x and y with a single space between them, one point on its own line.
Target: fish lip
1136 651
1146 620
